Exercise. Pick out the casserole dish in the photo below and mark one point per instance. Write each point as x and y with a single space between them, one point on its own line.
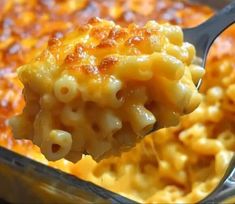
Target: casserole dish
25 180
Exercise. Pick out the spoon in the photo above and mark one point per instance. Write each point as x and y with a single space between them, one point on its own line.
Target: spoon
204 35
202 38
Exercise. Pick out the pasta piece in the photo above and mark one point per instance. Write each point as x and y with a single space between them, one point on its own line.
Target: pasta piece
56 145
172 151
167 66
231 92
222 161
141 119
66 89
109 123
207 146
21 127
227 139
70 117
214 94
173 33
197 72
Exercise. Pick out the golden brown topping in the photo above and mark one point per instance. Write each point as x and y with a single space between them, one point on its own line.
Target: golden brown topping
99 33
79 49
134 40
135 30
94 21
86 69
107 43
117 33
71 58
53 42
107 63
83 28
89 69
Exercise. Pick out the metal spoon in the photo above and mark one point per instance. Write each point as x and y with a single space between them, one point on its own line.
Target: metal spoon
204 35
202 38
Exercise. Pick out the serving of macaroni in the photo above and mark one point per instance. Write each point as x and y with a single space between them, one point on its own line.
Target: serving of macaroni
181 164
103 87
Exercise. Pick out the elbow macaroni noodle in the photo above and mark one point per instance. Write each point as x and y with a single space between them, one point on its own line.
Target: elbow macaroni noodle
99 81
164 167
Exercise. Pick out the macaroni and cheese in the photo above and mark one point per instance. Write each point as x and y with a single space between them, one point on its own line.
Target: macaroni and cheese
148 173
103 87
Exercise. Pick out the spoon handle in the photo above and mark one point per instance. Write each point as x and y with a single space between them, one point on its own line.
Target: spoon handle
206 33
